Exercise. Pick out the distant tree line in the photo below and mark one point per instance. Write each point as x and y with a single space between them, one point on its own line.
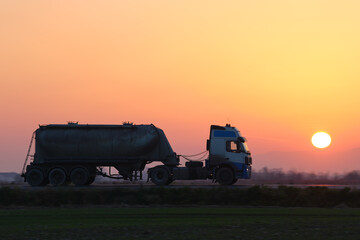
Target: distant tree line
278 176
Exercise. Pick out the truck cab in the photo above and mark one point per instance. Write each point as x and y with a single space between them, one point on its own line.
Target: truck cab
228 149
229 160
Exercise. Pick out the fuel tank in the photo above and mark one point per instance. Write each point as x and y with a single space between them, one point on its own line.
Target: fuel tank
102 143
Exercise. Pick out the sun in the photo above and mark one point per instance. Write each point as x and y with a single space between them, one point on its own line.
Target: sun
321 140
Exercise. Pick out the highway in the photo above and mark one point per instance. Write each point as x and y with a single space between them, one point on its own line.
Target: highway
178 184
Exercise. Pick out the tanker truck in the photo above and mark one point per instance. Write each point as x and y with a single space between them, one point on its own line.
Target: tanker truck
77 153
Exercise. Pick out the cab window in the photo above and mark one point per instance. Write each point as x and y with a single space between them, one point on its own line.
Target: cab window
232 146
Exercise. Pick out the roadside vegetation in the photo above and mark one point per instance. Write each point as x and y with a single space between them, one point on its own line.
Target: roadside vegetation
283 196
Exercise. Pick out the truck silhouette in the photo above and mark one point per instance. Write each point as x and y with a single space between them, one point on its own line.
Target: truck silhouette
76 153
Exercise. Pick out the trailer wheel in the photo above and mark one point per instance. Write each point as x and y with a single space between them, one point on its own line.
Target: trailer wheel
79 176
225 176
35 177
57 177
160 176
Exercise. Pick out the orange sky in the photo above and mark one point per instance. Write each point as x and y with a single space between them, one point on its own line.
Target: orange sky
278 70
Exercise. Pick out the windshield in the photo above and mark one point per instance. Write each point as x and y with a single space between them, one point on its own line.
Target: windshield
244 147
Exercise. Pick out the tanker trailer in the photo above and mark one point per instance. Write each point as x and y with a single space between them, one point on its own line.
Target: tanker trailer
77 152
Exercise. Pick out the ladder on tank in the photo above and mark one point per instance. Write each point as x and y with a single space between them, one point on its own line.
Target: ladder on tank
28 155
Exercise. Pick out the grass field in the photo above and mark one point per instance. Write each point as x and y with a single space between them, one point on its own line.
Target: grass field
180 223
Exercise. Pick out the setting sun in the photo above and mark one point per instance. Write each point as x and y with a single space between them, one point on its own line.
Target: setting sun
321 140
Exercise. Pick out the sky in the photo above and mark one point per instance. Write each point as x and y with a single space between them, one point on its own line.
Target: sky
277 70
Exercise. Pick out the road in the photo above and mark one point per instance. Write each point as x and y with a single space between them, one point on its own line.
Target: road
178 184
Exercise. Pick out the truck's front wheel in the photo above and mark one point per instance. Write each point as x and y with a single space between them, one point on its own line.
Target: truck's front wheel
160 176
225 176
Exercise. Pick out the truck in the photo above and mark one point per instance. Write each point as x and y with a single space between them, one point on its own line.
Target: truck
77 153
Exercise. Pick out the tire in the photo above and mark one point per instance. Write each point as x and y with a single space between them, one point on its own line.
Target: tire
225 176
160 176
79 176
57 177
35 177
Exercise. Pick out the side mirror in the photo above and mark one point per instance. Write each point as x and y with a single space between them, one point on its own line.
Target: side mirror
208 145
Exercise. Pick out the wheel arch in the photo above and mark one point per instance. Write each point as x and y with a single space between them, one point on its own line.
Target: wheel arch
150 170
227 165
72 168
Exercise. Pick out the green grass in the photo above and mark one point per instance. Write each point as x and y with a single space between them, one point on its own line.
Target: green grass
180 223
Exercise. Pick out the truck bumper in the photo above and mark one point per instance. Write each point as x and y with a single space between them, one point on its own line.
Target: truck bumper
243 171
